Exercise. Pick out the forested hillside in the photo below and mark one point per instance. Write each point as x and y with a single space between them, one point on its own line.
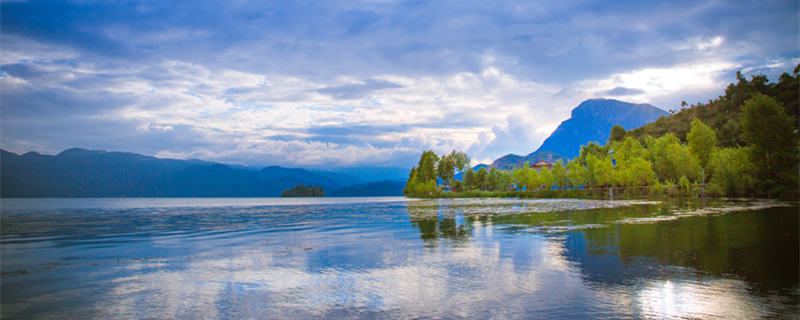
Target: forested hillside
722 114
744 143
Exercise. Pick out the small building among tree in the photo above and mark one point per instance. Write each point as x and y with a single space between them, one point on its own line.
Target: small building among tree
541 164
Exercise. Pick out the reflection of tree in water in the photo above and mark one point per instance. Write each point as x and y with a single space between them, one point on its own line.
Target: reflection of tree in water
574 217
435 222
760 247
455 221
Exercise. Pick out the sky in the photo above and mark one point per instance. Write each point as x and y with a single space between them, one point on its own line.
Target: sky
360 83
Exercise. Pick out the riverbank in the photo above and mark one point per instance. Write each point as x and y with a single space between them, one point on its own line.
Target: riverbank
601 193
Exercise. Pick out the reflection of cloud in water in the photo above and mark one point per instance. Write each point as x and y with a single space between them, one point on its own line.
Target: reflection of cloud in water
448 281
438 283
443 283
556 249
368 261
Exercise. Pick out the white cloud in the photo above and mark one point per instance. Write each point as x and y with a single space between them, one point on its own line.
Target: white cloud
547 129
711 43
233 115
656 84
260 119
375 85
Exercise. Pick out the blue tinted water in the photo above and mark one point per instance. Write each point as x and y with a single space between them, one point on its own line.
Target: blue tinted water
395 258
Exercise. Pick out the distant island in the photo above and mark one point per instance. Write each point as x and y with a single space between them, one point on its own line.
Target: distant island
744 143
303 191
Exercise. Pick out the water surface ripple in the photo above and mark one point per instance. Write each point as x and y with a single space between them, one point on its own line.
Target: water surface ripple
398 258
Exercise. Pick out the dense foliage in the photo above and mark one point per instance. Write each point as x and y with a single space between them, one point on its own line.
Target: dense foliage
743 143
422 180
303 191
723 114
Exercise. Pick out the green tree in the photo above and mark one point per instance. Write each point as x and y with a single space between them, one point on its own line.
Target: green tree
426 168
424 189
626 150
458 186
733 171
686 164
546 178
422 178
577 174
470 180
640 172
770 131
482 178
460 160
520 177
671 160
412 178
702 141
621 176
617 134
602 170
498 180
445 168
591 148
533 178
559 174
504 180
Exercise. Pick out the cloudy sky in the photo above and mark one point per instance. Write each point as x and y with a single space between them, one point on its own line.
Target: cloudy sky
334 83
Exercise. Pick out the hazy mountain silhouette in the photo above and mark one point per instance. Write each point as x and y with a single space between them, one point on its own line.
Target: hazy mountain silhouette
93 173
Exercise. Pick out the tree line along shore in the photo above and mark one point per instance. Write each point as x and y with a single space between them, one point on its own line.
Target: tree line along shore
744 143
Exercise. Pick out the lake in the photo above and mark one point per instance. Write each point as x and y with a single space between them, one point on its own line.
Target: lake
398 258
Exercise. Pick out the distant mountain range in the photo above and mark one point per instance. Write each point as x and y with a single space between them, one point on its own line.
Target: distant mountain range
591 121
93 173
510 161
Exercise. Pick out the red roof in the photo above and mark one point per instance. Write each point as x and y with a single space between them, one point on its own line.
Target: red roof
541 163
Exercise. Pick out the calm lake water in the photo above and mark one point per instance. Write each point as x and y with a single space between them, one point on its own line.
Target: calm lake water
398 258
